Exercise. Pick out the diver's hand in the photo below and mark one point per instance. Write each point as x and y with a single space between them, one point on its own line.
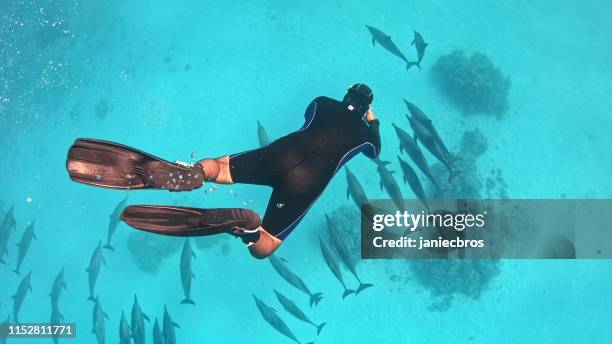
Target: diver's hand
370 115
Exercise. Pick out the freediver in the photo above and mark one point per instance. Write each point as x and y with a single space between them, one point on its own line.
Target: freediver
298 167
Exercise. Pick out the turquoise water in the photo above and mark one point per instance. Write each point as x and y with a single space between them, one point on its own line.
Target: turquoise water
194 77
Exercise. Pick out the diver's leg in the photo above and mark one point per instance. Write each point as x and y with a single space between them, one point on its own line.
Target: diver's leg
265 245
286 208
217 170
250 167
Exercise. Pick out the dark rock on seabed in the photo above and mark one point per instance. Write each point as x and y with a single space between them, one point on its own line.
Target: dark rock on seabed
472 83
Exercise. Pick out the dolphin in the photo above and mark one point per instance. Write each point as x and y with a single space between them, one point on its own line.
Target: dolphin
293 279
270 316
388 183
99 323
158 336
435 147
93 270
56 319
4 330
138 329
338 243
8 224
328 256
425 129
425 132
385 41
292 308
20 294
354 189
125 333
186 272
262 135
420 46
412 179
56 291
169 325
24 246
114 222
408 144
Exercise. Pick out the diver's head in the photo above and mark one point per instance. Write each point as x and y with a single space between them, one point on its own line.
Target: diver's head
358 98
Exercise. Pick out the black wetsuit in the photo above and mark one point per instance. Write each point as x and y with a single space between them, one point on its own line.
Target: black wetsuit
300 165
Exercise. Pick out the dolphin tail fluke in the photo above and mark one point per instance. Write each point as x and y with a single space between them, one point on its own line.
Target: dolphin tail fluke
109 247
17 271
315 298
188 301
410 64
319 328
91 298
347 292
362 287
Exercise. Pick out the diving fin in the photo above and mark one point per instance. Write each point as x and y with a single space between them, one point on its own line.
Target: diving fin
184 221
115 166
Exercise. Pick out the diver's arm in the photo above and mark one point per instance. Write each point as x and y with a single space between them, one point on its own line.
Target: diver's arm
374 139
